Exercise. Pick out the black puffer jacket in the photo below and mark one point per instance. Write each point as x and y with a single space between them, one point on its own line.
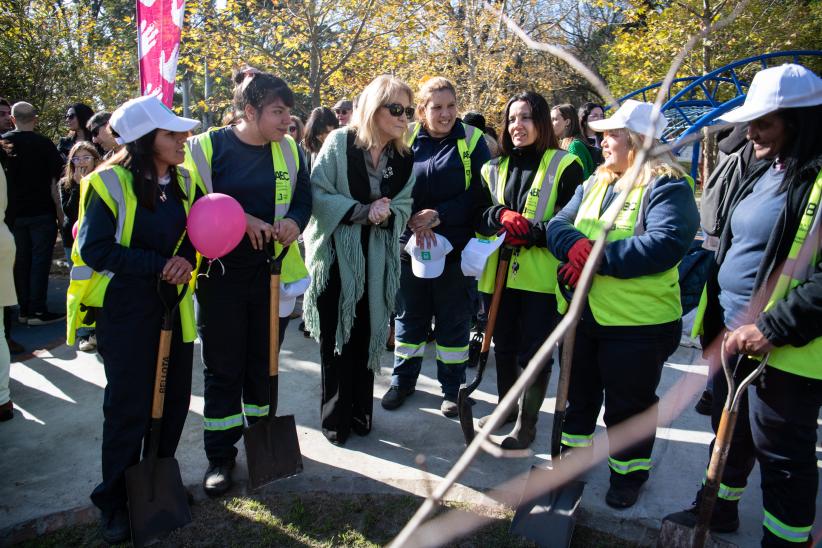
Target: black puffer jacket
796 320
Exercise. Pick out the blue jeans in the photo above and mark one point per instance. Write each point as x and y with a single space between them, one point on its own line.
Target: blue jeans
34 238
446 298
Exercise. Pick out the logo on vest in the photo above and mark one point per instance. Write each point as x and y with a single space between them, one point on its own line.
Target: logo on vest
281 175
533 192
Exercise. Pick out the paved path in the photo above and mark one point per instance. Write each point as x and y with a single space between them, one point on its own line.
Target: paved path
49 454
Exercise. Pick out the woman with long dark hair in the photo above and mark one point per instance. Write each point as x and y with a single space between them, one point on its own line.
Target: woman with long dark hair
77 116
592 112
763 298
566 126
529 183
258 164
362 184
321 122
131 246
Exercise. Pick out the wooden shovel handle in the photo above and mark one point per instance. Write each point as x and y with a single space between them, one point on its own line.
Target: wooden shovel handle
496 298
160 374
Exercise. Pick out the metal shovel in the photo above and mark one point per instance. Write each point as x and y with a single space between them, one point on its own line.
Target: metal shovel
463 401
547 518
696 535
271 446
157 500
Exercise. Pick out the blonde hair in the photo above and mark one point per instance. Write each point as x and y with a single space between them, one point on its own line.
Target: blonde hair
427 90
663 164
375 95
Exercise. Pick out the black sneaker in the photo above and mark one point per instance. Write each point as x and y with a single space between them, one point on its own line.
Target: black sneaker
449 407
45 318
395 397
622 496
217 479
703 406
114 526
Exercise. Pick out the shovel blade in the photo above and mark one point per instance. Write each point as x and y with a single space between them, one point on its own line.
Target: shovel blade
466 414
157 500
679 533
547 518
272 450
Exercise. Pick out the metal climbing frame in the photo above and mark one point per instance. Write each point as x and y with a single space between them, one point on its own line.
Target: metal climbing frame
695 102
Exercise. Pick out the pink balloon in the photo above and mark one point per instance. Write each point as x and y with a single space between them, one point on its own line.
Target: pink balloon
216 224
74 229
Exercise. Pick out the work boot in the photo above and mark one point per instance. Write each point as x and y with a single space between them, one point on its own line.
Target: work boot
507 373
217 479
114 526
622 496
395 397
449 407
725 517
512 417
524 432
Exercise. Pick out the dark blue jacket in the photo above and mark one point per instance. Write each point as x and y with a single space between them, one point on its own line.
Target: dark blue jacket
671 223
440 185
153 238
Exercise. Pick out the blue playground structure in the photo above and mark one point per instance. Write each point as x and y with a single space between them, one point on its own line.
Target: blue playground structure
695 102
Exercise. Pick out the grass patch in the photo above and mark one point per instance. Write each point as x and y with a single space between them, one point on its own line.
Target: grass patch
318 520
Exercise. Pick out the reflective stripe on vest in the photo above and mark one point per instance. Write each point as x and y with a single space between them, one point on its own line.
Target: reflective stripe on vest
645 300
533 269
465 147
285 157
802 258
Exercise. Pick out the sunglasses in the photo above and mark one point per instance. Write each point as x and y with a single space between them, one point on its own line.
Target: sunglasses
292 129
78 159
396 109
342 111
71 116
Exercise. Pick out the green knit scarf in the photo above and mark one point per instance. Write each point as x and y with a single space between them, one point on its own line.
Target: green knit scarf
332 200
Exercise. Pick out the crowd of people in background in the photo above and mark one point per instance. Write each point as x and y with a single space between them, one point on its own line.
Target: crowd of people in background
393 213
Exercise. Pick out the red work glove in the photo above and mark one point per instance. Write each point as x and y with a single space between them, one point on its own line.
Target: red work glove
579 252
569 274
514 223
512 240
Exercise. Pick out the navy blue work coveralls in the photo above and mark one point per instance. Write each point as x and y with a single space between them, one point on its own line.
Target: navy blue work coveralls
233 304
128 335
622 365
440 185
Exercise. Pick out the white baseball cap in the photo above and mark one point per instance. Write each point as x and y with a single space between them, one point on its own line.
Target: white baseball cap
141 116
429 262
775 88
633 115
289 293
476 252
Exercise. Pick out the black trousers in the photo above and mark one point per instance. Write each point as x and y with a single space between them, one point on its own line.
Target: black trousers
524 321
128 334
347 382
232 320
776 426
622 367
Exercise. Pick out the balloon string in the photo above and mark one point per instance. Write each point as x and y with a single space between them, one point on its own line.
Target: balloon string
208 270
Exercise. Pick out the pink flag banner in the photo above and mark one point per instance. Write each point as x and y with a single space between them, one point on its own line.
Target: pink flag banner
159 25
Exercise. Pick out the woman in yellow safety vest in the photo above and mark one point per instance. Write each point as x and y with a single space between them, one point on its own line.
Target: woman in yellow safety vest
528 183
132 231
632 322
765 294
258 164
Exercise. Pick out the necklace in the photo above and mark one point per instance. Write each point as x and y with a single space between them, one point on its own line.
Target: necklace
163 193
